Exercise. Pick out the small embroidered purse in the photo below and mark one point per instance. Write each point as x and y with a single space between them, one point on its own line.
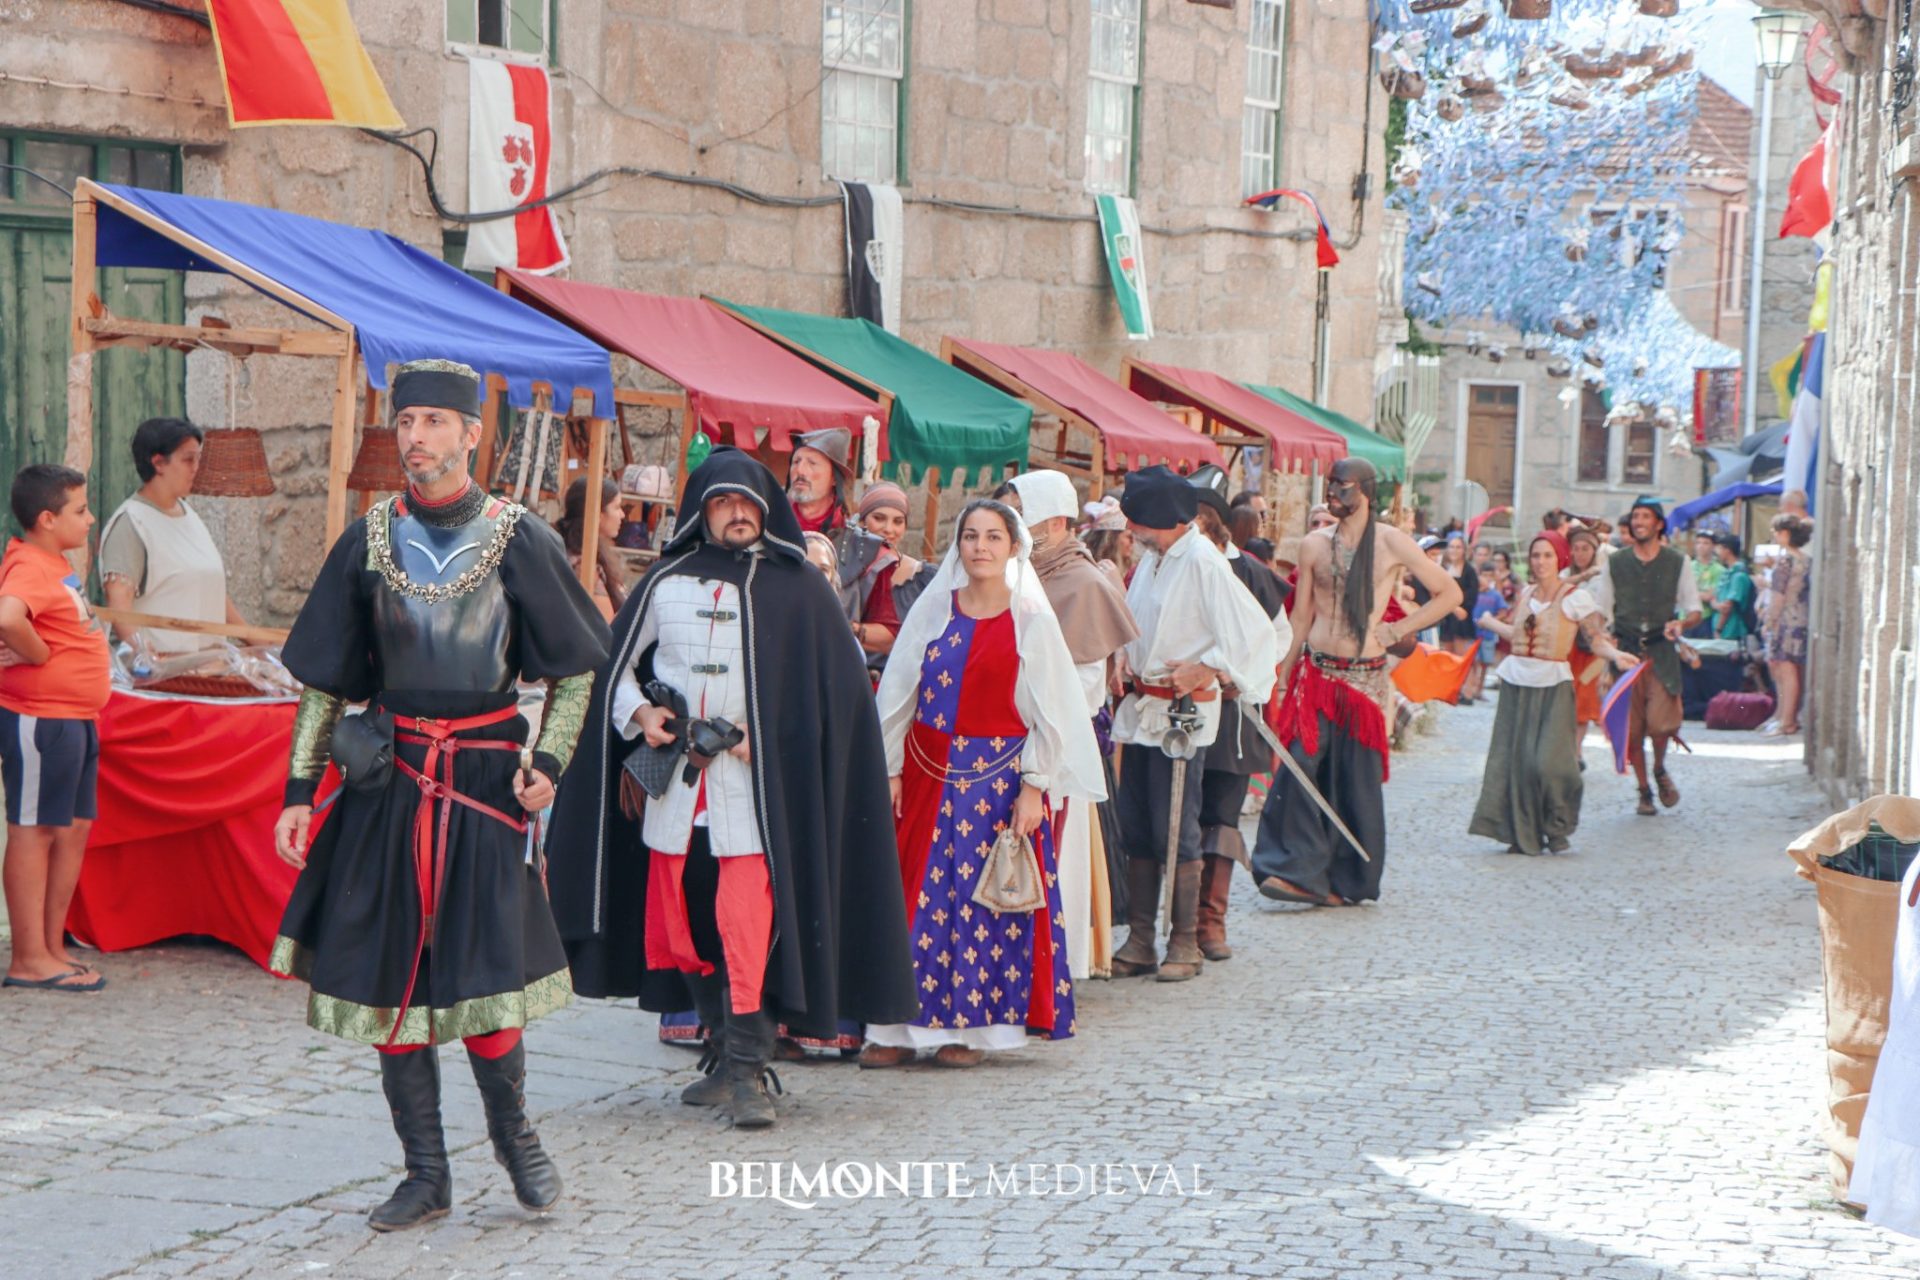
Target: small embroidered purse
1010 882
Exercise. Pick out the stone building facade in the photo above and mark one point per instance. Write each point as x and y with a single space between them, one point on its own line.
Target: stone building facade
1532 439
1864 671
714 110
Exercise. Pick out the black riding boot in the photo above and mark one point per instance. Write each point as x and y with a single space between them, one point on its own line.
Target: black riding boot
749 1050
710 1000
411 1082
503 1085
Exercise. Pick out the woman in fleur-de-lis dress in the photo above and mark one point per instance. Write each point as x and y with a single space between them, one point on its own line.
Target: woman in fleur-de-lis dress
986 729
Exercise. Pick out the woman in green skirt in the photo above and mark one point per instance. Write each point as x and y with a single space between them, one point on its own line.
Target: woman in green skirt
1530 794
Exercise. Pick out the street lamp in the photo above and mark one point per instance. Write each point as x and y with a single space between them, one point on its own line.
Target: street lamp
1776 31
1776 34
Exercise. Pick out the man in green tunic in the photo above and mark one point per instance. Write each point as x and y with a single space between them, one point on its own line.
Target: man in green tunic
1649 591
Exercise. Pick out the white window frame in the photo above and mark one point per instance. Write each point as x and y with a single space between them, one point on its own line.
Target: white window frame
499 52
1114 22
871 84
1261 107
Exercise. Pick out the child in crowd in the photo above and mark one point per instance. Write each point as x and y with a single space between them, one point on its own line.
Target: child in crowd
49 748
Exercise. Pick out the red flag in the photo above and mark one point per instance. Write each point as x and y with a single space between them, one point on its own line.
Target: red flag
1324 254
1809 203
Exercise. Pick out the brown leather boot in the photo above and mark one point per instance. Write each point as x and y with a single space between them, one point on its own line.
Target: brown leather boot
1139 955
1184 956
1216 880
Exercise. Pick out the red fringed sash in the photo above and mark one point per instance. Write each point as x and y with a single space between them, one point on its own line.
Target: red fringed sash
1311 694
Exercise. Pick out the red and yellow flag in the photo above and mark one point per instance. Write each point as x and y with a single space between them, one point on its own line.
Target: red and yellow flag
297 62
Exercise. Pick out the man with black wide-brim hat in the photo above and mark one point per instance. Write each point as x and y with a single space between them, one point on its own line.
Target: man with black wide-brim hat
1648 591
1200 630
419 916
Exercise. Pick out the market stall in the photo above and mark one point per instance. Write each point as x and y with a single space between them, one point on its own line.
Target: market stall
1388 457
735 386
1099 428
189 786
945 429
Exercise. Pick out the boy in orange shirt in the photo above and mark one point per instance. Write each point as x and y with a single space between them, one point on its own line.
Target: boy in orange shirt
49 748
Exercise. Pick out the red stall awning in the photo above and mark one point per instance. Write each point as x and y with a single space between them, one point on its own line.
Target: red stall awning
1297 442
1134 432
739 384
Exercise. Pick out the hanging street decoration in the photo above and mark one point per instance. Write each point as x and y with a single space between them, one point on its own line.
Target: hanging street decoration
1543 175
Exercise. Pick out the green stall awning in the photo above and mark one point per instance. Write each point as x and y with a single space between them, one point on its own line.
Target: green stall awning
942 417
1388 458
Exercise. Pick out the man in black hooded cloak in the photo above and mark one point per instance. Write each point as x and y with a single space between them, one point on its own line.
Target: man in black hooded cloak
762 887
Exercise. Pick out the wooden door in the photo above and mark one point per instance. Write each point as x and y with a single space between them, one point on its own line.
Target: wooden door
1493 434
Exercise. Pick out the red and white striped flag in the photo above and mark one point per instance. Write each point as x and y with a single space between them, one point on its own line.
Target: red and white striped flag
507 150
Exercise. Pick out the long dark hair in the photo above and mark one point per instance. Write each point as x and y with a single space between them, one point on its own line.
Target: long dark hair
1356 601
573 528
1007 515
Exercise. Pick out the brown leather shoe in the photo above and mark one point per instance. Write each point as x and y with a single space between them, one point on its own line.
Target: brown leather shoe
1645 808
1216 882
1669 794
1287 891
958 1055
874 1056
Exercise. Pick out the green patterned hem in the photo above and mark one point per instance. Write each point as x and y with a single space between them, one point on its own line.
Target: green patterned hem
478 1016
289 959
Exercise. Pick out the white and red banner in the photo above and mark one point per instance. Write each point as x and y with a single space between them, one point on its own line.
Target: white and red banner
508 134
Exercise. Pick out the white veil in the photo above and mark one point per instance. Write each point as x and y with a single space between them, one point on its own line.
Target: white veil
1060 742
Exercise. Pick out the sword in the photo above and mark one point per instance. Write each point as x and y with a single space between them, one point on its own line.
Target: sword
1183 717
1306 784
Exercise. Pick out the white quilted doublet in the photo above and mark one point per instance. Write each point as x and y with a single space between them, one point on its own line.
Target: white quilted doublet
701 635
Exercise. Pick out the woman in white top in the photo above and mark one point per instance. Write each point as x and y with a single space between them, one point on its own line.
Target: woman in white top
1530 793
155 554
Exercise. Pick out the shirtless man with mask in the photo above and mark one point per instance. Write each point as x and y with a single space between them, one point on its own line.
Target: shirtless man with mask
1334 714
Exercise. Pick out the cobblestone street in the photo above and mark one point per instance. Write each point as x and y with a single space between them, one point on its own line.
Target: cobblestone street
1605 1064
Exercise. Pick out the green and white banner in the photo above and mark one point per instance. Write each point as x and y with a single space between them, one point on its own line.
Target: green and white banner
1120 233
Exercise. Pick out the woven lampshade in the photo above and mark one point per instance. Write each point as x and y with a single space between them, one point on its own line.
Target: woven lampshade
376 468
233 464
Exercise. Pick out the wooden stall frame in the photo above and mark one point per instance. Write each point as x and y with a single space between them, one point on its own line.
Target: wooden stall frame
94 328
1214 416
1095 472
881 395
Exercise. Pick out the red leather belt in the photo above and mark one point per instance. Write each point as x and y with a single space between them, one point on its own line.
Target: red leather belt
432 819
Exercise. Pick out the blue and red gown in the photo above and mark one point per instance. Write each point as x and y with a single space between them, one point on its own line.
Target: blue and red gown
977 970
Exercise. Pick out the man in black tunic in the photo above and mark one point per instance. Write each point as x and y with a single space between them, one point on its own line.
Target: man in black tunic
418 917
764 887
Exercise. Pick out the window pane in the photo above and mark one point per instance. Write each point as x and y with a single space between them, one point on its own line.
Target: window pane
119 165
153 169
527 21
460 22
493 23
64 162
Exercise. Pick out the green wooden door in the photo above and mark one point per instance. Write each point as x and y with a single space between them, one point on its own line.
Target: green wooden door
36 274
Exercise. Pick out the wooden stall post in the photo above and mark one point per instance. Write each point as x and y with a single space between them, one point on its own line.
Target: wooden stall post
933 514
340 446
590 512
79 451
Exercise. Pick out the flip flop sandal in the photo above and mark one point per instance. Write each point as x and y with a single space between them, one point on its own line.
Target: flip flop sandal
56 983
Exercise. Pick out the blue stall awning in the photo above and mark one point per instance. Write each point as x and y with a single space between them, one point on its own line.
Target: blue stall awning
402 304
1687 512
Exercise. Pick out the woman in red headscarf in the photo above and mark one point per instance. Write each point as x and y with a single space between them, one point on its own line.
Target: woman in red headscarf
1530 793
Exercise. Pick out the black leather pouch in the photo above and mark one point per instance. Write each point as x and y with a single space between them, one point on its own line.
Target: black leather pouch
362 749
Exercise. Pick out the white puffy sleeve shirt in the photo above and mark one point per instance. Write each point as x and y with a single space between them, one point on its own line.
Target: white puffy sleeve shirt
1539 673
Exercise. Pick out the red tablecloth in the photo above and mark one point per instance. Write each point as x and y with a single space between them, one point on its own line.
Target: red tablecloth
189 791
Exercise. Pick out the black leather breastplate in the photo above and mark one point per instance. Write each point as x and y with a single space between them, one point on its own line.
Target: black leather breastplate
441 616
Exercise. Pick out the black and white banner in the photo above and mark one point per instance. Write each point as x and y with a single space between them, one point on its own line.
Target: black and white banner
876 250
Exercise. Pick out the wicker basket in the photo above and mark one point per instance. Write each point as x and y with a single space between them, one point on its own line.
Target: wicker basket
233 464
376 467
207 686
